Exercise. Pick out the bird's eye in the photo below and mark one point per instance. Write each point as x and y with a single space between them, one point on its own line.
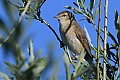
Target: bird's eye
64 15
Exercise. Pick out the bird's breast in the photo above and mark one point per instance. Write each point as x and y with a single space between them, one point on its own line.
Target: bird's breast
69 39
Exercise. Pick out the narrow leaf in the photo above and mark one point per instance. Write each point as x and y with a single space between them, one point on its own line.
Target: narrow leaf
117 25
95 14
10 65
116 16
31 59
14 69
91 5
40 65
75 4
4 76
88 37
67 66
80 59
3 27
111 36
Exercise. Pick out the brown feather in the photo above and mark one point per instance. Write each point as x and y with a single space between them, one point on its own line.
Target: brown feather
82 38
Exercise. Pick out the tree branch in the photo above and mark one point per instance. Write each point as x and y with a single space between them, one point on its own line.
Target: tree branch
98 41
105 36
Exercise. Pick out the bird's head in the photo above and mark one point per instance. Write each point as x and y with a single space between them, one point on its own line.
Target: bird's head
64 16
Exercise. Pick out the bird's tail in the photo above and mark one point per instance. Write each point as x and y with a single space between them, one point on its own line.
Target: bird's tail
89 59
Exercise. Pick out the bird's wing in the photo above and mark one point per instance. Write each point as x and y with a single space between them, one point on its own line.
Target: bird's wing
82 38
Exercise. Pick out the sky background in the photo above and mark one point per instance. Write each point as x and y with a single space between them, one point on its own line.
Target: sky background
42 36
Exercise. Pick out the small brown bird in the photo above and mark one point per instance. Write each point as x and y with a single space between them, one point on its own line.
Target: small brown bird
73 36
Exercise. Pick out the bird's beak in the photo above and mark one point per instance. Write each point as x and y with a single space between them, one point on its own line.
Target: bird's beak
57 16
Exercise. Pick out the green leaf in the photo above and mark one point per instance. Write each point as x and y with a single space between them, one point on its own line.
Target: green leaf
40 3
95 14
91 5
80 69
80 59
34 70
75 4
31 54
111 36
74 9
36 5
116 17
119 56
87 75
67 66
3 27
117 25
4 76
14 70
21 9
11 65
68 7
40 65
88 37
83 71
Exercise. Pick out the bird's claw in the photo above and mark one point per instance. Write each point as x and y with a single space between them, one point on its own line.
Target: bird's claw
61 44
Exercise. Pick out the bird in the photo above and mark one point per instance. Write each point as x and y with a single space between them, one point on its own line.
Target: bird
73 36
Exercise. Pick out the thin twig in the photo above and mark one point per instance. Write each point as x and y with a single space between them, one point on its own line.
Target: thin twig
81 12
105 36
20 19
98 41
48 25
69 57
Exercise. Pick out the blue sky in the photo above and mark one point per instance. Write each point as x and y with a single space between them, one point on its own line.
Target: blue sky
42 35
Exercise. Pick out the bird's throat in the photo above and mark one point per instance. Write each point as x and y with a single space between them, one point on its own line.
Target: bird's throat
64 25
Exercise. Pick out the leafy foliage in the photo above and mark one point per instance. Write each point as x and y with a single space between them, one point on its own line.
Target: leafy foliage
34 67
90 15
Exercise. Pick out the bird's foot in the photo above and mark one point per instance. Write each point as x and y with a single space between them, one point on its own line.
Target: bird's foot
61 44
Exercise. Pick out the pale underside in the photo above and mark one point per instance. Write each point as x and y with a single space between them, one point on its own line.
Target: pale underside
69 39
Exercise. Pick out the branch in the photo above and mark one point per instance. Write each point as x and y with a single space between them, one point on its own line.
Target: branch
37 17
105 36
20 19
98 41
